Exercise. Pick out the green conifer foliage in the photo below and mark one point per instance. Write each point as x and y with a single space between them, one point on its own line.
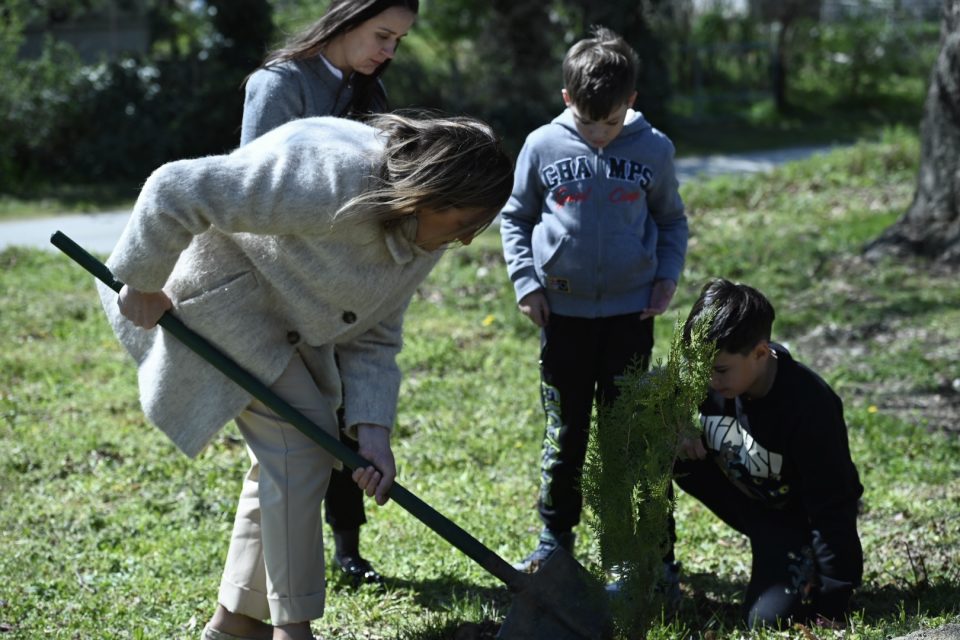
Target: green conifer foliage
627 473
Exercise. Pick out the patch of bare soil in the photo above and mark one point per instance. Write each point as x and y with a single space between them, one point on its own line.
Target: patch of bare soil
828 346
946 632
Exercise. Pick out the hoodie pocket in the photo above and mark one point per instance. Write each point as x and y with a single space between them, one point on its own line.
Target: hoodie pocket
548 249
628 265
562 268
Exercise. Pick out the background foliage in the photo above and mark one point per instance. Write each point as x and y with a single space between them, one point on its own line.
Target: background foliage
118 119
705 77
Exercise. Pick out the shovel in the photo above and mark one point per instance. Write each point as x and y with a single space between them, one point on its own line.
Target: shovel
561 601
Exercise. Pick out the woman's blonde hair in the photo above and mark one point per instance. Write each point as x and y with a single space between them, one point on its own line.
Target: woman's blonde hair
435 163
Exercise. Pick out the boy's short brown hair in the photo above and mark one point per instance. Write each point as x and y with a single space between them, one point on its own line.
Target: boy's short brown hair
600 73
742 316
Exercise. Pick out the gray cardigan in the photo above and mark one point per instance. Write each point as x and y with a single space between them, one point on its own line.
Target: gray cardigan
285 91
249 248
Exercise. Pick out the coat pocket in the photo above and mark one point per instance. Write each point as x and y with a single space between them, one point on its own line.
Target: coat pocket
222 298
561 268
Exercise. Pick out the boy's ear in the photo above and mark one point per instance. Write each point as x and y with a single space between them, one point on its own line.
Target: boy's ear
761 350
566 97
631 100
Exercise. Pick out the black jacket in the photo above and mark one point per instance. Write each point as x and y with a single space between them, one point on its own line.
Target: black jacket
789 450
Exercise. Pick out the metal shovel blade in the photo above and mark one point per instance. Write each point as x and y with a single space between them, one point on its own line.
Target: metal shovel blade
561 601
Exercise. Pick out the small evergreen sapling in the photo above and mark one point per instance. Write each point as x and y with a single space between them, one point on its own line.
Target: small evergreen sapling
628 470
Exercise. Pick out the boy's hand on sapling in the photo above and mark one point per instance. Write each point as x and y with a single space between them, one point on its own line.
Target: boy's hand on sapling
692 449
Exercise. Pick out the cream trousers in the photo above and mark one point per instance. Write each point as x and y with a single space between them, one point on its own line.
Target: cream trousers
275 564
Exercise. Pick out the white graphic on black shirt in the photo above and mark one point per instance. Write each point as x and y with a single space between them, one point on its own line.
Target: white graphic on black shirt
748 464
725 430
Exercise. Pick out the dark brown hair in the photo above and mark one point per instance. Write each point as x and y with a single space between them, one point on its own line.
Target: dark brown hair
742 315
340 17
600 73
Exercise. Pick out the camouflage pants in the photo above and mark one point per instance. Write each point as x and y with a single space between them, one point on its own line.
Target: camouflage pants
580 361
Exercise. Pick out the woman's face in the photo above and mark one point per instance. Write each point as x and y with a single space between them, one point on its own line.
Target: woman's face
436 229
371 43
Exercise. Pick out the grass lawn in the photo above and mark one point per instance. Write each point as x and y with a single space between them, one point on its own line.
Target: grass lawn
107 531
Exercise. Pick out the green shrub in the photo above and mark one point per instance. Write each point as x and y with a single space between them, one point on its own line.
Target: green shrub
628 471
118 120
853 59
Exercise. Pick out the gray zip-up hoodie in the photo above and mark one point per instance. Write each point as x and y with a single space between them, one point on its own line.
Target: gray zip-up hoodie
593 227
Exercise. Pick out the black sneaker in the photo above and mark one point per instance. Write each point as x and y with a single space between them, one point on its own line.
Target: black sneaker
549 541
357 571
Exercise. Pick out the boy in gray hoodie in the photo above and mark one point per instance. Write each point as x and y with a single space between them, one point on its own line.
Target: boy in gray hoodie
594 237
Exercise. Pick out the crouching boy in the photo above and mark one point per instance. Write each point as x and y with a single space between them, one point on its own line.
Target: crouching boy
773 462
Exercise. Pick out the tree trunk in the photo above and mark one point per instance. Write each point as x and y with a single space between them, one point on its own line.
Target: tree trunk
930 228
778 67
517 48
784 15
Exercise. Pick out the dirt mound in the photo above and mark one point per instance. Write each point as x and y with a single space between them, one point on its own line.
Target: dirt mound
946 632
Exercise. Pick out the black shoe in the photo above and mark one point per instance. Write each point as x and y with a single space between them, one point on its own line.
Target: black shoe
357 571
549 541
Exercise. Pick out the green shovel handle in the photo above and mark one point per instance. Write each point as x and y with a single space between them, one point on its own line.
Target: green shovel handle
429 516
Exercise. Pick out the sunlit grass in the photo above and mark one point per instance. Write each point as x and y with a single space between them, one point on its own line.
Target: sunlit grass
107 531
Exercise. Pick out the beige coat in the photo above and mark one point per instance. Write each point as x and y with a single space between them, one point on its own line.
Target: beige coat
249 249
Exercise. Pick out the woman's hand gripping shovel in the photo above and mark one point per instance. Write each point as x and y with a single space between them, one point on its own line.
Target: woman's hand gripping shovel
561 601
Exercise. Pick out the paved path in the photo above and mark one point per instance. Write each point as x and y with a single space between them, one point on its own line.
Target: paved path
98 232
95 232
755 162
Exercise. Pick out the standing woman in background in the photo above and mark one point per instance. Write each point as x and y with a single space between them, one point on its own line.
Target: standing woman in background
332 68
